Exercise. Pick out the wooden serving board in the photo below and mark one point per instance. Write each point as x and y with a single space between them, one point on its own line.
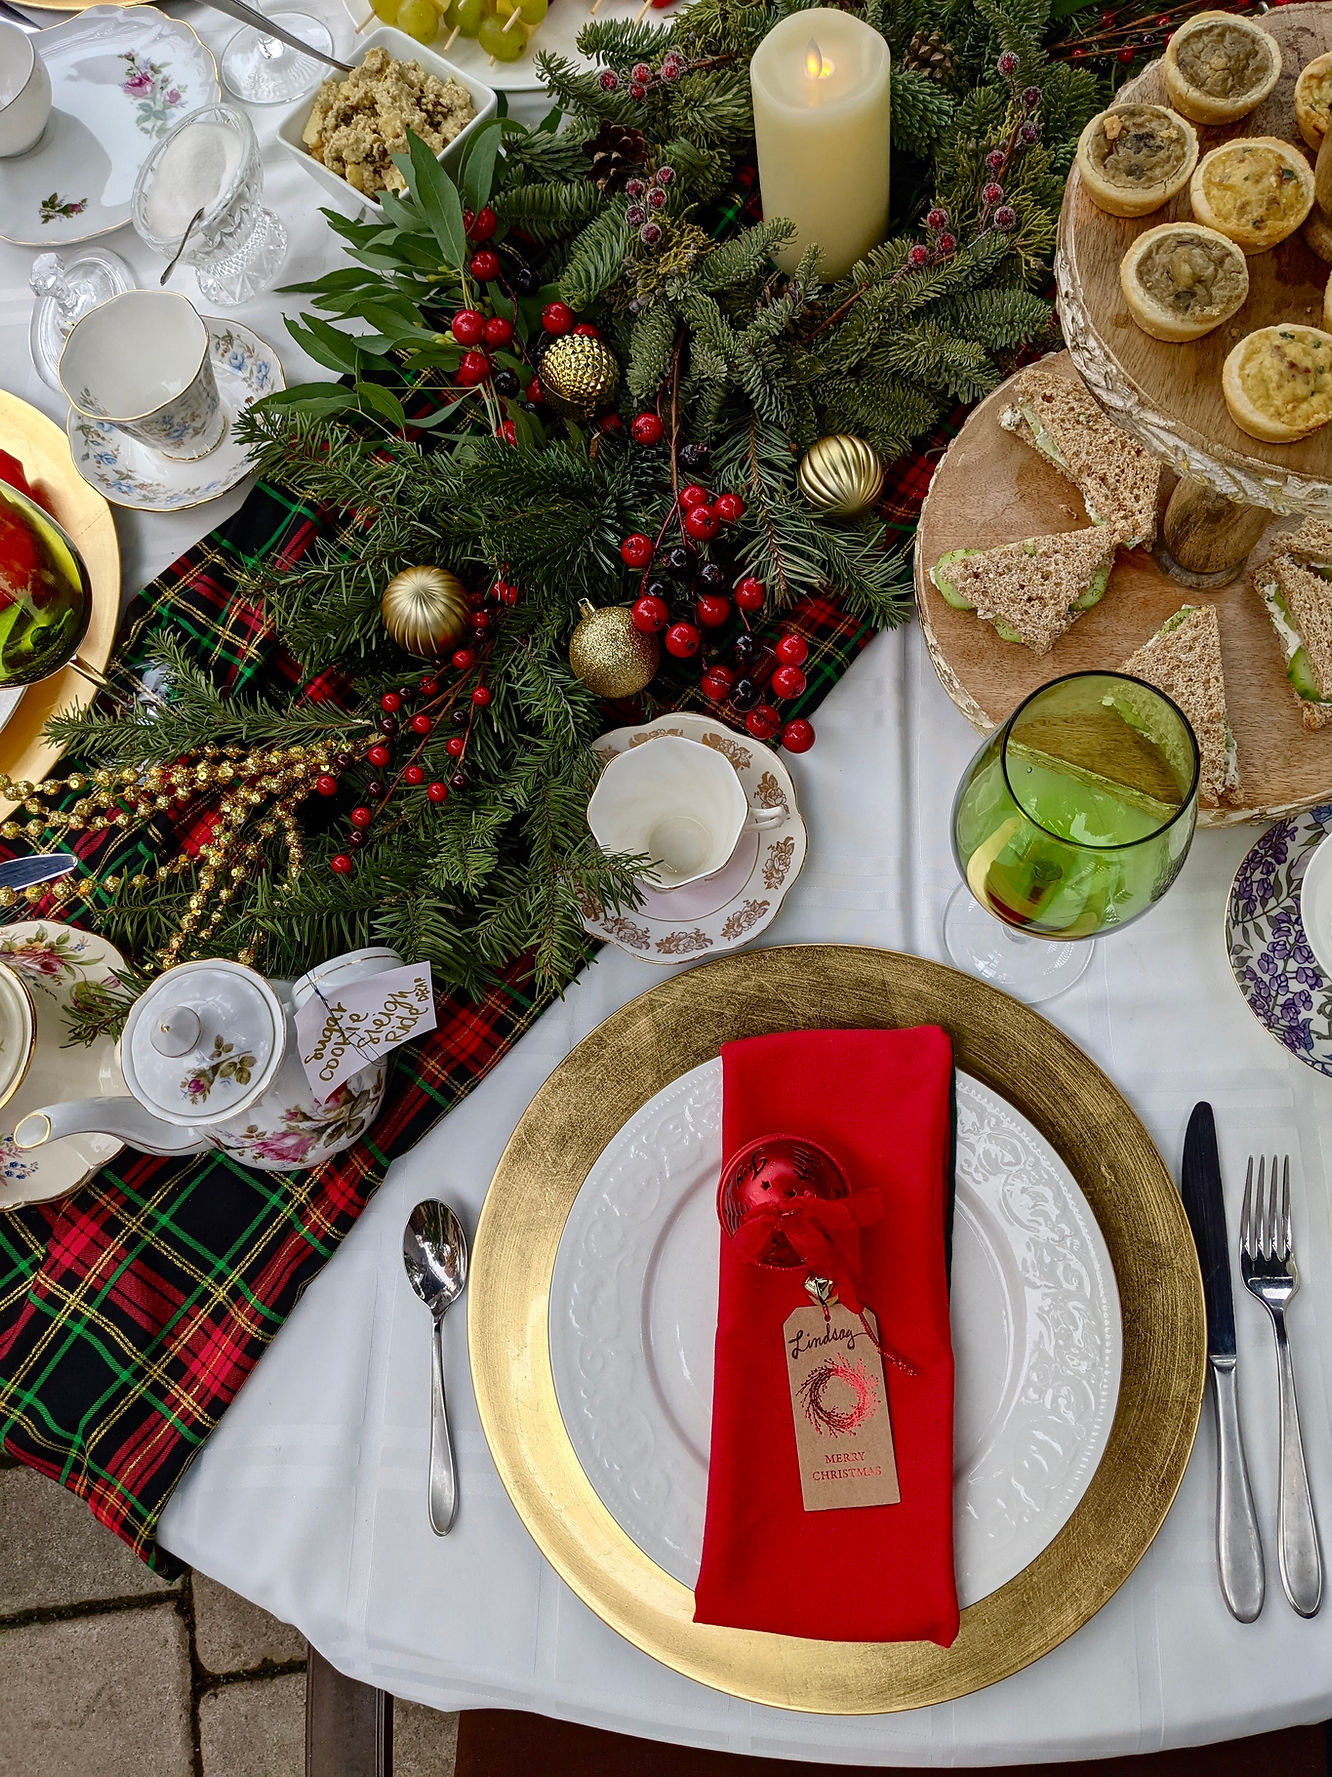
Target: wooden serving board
1169 396
992 488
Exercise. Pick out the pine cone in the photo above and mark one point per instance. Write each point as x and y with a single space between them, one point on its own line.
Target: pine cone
616 152
932 56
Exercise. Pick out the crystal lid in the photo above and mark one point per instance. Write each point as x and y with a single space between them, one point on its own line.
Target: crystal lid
203 1042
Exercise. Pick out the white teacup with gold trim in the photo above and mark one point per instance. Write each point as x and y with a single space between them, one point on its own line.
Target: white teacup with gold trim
141 362
677 802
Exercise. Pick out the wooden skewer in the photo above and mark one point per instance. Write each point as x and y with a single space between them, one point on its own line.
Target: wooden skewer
595 4
369 19
642 12
512 20
452 34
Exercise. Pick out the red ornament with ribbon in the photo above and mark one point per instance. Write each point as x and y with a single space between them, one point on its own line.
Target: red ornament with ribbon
785 1204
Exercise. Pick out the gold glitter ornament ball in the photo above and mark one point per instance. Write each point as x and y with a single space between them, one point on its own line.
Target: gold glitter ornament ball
425 610
610 656
578 375
841 475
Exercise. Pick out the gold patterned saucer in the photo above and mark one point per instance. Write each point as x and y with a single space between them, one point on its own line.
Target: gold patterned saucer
731 908
593 1092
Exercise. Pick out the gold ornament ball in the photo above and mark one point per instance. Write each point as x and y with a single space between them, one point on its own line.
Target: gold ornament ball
578 375
425 610
841 475
610 656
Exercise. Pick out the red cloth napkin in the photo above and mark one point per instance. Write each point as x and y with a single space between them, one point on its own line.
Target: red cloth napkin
880 1101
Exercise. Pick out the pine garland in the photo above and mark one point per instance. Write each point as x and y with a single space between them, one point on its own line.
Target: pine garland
733 356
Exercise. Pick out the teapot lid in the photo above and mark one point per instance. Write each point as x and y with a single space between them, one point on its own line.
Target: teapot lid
203 1042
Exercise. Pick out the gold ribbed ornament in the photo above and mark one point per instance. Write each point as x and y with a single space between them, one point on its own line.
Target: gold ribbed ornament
610 656
578 375
841 475
425 610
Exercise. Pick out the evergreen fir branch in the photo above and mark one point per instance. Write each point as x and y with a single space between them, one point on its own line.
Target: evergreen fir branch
921 112
596 258
550 210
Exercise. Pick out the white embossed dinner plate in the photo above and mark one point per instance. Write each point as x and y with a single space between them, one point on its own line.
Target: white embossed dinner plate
1035 1315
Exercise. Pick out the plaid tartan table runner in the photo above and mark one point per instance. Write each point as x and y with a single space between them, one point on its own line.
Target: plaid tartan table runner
132 1310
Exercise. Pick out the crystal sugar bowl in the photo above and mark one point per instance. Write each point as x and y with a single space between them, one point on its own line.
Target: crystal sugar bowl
210 162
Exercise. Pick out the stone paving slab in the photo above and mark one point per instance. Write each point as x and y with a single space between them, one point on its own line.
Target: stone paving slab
53 1552
424 1740
98 1695
233 1635
253 1728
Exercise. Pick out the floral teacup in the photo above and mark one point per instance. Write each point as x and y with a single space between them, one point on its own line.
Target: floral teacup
141 361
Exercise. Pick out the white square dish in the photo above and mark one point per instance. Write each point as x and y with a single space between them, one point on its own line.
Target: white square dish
402 48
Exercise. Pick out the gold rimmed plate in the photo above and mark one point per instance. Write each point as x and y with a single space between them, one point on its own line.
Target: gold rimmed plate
608 1078
41 447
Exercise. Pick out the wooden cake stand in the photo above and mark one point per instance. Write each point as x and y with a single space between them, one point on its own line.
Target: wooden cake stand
1169 396
992 488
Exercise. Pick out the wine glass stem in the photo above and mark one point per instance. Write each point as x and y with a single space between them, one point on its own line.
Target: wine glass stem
271 49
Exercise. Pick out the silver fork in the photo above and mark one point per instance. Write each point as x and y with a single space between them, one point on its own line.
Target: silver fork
1267 1266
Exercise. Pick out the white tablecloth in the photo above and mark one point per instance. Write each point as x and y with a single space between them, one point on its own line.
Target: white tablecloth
309 1498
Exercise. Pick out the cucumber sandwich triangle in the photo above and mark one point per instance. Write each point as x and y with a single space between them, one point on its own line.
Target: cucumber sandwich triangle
1294 585
1119 481
1031 591
1183 659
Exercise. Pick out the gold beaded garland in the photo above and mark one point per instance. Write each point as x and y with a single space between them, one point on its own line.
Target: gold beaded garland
841 475
578 375
425 610
610 656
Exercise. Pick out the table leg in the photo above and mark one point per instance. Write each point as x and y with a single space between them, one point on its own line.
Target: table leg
1206 538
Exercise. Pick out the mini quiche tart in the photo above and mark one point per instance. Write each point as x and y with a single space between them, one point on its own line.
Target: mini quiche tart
1134 158
1313 100
1278 382
1256 189
1218 67
1180 280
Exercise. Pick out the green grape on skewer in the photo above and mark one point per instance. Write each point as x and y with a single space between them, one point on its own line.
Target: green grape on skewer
419 19
503 42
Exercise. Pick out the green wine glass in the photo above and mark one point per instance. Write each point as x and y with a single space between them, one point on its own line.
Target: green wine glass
45 596
1073 819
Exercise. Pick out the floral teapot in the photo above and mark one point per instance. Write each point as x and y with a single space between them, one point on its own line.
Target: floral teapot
210 1057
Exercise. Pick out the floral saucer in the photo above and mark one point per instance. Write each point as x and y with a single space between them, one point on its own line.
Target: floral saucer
57 964
120 78
130 474
742 900
1274 965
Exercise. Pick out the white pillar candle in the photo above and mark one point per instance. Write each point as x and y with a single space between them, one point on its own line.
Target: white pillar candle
821 119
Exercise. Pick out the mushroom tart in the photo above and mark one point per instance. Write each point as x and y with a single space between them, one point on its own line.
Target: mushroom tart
1256 189
1313 100
1219 66
1134 158
1180 280
1278 382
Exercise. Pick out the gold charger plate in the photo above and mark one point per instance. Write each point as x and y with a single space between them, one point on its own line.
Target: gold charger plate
42 448
601 1084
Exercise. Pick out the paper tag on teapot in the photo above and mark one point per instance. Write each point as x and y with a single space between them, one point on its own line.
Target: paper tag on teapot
348 1028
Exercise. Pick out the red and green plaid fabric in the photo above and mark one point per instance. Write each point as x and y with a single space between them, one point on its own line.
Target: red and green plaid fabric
132 1310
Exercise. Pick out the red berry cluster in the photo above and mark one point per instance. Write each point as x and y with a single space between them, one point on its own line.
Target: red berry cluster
455 705
758 669
642 77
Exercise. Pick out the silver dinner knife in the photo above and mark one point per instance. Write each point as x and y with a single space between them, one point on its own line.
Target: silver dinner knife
1239 1550
18 873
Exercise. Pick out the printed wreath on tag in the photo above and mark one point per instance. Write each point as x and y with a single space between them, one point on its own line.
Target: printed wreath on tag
819 1392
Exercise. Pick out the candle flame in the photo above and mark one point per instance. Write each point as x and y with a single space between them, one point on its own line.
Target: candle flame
817 65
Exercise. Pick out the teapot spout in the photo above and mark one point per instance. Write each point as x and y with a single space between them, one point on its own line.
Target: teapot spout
120 1117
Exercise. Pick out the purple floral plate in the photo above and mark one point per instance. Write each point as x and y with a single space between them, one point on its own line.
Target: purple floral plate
1274 966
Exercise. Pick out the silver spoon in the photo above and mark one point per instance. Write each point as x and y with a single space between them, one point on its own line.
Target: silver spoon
434 1251
247 15
190 227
